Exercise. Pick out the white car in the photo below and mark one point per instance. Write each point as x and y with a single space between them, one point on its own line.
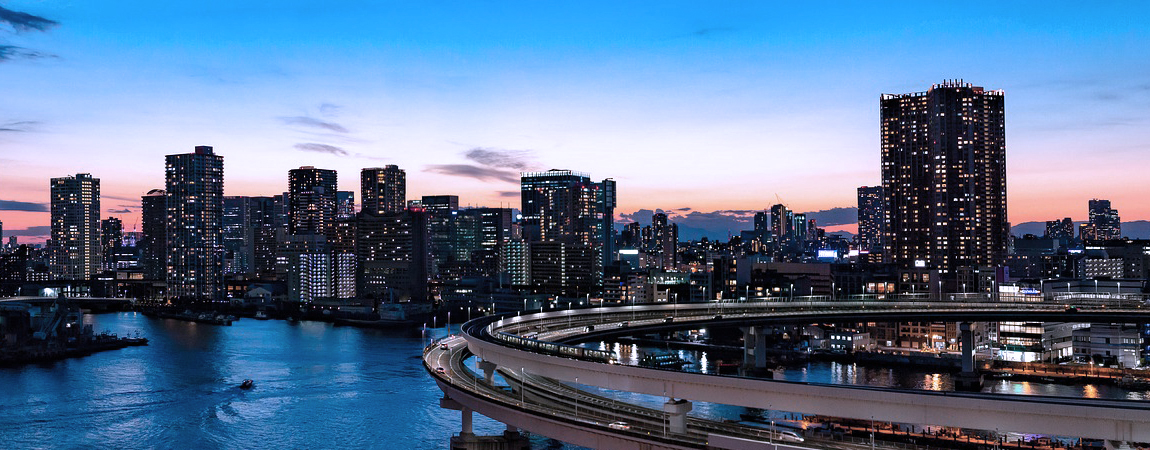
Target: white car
619 426
440 370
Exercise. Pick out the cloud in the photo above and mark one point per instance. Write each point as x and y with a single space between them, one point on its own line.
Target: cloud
42 230
119 211
835 216
20 21
10 52
321 148
470 171
505 159
329 109
311 122
684 209
20 126
12 205
708 31
509 193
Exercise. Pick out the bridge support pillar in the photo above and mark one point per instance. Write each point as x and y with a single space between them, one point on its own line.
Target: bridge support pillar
968 379
677 415
488 369
1118 445
467 428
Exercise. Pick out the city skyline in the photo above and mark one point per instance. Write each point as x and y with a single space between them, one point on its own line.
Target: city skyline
724 100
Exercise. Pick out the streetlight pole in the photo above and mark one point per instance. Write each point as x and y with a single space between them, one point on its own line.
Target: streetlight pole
523 387
576 399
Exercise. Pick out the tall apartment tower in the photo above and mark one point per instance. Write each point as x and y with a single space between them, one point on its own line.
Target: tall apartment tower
153 247
312 196
76 252
195 248
111 239
383 190
566 207
871 217
944 178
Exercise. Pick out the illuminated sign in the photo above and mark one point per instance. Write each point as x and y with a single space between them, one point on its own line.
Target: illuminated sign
831 254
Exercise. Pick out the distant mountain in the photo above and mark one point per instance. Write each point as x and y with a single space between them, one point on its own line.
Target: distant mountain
1135 229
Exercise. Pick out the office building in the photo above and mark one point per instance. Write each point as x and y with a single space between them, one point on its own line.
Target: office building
944 179
76 252
1104 223
194 234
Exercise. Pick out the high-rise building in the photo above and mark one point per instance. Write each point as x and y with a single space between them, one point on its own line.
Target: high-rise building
76 252
383 190
393 257
1060 229
195 248
345 204
661 241
1104 223
153 246
783 226
442 211
312 200
944 178
566 207
111 239
871 217
249 235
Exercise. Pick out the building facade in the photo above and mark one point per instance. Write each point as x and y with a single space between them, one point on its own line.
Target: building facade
383 190
944 178
194 232
76 250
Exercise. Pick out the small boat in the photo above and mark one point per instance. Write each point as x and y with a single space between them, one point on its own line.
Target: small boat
247 384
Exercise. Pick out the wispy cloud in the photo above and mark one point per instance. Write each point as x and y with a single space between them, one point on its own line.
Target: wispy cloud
12 205
311 122
36 231
509 193
11 52
329 109
505 159
119 211
19 127
471 171
321 148
21 21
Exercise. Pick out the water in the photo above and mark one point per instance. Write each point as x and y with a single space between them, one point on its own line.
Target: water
317 386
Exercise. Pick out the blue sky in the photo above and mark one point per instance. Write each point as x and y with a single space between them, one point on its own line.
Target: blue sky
710 106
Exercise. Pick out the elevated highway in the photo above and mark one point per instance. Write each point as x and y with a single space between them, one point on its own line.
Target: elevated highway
499 342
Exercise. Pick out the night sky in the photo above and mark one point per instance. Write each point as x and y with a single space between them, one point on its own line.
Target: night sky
701 108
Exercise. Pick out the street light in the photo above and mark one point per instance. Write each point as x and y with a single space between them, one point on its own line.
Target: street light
576 399
523 387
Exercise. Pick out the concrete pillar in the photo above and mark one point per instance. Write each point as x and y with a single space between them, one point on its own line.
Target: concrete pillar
467 428
760 348
968 379
967 347
748 346
488 369
677 415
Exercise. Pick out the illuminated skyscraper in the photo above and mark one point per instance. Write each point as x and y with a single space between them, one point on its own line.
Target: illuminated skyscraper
153 247
312 201
871 217
566 207
76 252
383 190
195 248
944 178
1104 223
111 239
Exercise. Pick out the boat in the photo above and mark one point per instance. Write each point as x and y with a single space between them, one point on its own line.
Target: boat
262 315
247 384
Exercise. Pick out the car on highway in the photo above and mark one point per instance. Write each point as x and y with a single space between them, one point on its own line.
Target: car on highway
443 346
440 370
619 426
790 436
